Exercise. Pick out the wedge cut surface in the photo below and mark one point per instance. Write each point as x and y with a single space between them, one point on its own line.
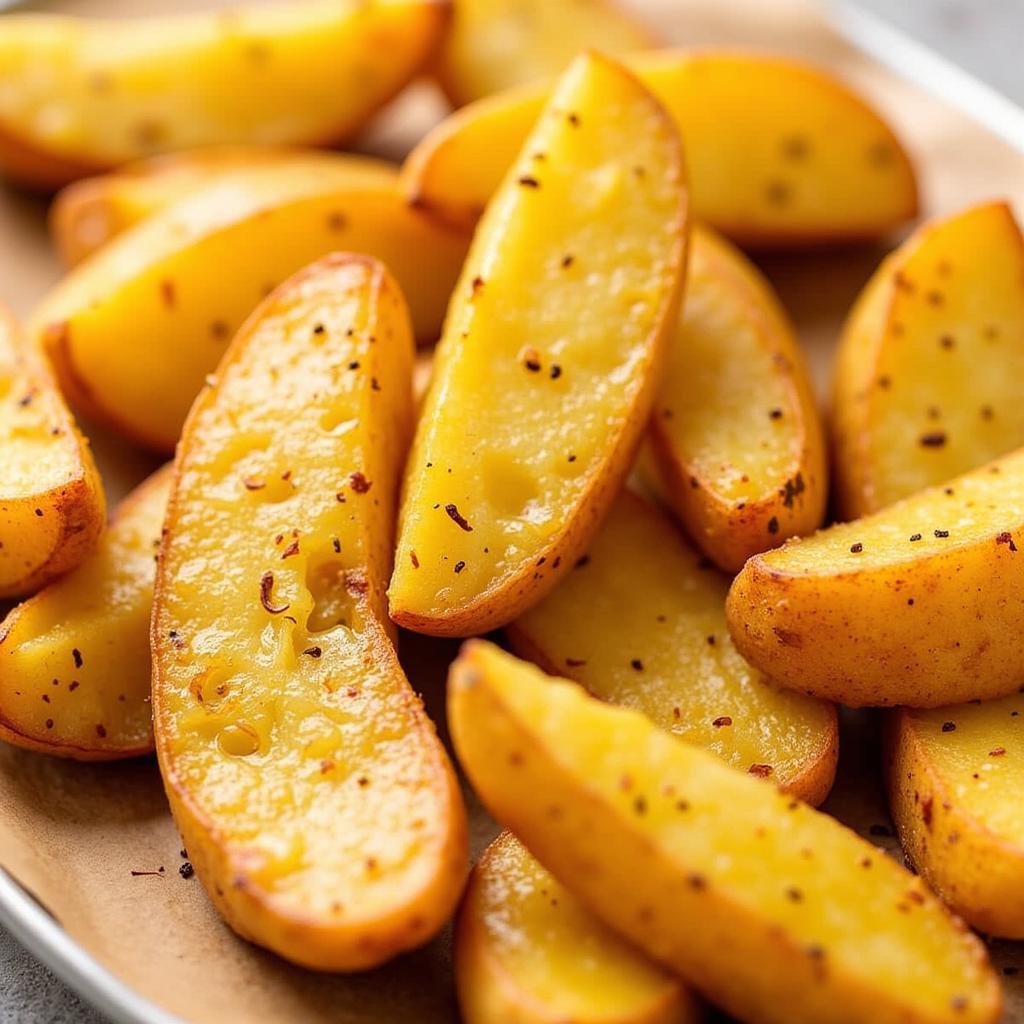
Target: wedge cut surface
495 44
79 95
925 380
640 621
165 279
778 152
919 604
776 913
74 658
89 213
954 784
313 795
544 378
527 950
52 509
736 434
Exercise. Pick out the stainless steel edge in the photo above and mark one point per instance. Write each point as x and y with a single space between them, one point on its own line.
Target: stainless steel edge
35 929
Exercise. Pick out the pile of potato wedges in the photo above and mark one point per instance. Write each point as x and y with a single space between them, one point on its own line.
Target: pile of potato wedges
614 456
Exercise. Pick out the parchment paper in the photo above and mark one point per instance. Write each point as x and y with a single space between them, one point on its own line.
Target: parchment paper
72 834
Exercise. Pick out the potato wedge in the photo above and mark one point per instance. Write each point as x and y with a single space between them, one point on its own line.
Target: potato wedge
526 950
640 622
735 434
496 44
88 213
779 153
919 604
954 788
545 375
926 376
167 279
52 508
316 801
79 96
74 658
778 914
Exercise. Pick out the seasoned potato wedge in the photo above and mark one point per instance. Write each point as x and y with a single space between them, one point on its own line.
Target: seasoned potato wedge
545 376
495 44
736 435
778 914
526 950
89 213
954 785
919 604
926 379
778 152
168 279
316 802
52 509
640 621
74 658
79 95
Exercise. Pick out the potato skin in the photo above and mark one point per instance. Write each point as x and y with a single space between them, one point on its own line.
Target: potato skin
977 872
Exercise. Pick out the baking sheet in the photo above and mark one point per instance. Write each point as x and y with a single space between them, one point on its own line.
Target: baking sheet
72 834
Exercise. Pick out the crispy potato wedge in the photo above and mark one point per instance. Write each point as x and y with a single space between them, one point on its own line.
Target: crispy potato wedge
954 788
74 658
496 44
736 435
526 950
779 153
87 214
79 96
640 622
926 376
317 803
52 508
778 914
166 279
545 375
919 604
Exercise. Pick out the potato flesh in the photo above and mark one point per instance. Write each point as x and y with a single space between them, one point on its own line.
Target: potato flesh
766 161
495 44
974 509
544 375
642 624
74 659
89 213
698 863
289 739
105 92
934 360
164 280
549 958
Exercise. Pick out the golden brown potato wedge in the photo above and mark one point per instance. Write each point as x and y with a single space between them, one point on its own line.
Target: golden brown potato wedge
926 379
954 785
316 801
640 621
545 376
919 604
79 96
779 153
495 44
736 434
778 914
526 950
52 509
74 658
186 278
89 213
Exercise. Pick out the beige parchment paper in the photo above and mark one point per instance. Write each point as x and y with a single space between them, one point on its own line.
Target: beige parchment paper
72 834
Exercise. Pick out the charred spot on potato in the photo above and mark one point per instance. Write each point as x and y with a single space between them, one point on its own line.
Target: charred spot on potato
933 439
778 193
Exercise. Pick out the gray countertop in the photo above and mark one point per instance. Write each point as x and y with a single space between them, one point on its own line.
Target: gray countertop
983 36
